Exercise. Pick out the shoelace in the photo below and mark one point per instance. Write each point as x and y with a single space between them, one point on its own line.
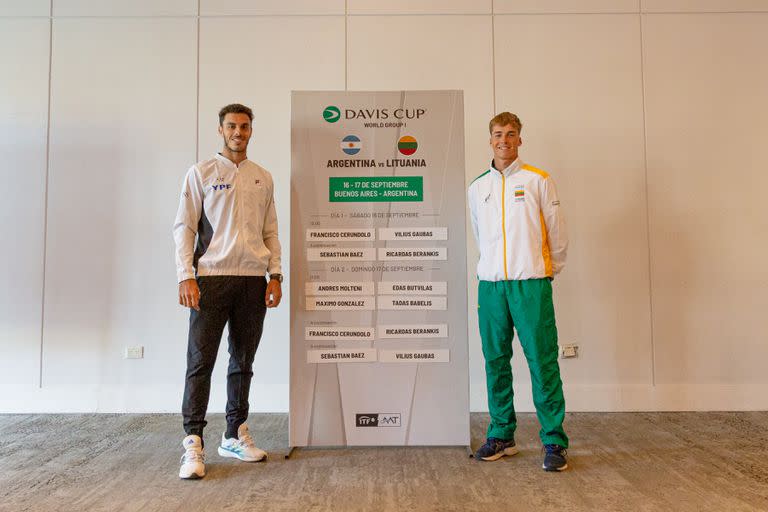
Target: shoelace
554 448
192 456
246 440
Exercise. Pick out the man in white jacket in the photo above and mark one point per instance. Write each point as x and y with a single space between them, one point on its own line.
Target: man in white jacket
226 245
520 231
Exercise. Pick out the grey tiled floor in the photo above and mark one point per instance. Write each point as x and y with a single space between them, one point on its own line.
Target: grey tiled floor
627 461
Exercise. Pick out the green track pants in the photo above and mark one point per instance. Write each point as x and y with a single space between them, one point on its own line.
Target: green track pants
527 307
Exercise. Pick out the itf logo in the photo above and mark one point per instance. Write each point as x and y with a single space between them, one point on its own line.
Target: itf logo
351 144
331 114
378 420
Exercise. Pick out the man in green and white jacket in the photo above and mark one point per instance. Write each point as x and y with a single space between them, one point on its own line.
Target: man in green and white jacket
521 235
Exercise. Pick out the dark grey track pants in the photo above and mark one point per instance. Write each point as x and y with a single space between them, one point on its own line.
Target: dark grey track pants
238 300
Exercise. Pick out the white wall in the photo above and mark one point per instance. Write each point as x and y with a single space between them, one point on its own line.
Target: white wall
649 114
23 153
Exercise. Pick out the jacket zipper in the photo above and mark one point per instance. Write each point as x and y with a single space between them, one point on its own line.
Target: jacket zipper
503 223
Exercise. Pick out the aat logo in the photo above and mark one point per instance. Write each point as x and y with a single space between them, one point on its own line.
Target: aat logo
331 114
378 420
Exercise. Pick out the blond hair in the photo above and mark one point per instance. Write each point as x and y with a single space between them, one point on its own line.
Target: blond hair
504 119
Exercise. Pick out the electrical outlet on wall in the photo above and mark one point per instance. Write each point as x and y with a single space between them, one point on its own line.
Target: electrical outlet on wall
568 351
136 352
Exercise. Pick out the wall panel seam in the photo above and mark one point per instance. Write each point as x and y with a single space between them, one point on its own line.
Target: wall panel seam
310 15
562 13
493 58
197 88
647 201
346 45
45 194
661 13
121 17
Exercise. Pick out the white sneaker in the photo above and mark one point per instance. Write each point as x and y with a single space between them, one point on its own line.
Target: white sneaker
241 448
193 460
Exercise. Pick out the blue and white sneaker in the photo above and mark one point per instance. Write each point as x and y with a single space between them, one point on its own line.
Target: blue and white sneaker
193 460
241 448
554 458
495 448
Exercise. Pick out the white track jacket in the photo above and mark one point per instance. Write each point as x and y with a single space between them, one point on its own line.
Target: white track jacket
229 211
517 224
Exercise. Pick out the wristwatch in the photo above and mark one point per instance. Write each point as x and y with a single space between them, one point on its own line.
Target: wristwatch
279 277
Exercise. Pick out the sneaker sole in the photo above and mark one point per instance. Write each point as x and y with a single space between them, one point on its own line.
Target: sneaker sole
233 455
512 450
193 476
554 470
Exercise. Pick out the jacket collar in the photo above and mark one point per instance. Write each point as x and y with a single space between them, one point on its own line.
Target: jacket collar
229 163
511 169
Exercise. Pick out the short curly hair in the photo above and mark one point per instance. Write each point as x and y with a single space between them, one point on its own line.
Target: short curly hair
504 119
234 108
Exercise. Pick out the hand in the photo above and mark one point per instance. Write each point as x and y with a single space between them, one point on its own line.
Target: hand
274 293
189 294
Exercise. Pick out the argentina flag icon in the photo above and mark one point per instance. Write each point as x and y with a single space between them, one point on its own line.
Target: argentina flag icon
351 144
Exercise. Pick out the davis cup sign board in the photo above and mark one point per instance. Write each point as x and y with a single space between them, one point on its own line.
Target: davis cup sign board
378 269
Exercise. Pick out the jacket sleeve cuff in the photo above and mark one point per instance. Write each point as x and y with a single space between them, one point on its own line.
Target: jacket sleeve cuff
183 275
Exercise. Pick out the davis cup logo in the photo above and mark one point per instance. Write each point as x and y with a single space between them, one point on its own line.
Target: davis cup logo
351 144
407 145
331 114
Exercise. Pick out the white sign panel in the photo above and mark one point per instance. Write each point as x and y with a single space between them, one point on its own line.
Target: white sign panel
364 355
378 283
413 331
340 235
341 254
410 356
339 288
400 234
340 333
341 304
406 303
413 253
411 288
